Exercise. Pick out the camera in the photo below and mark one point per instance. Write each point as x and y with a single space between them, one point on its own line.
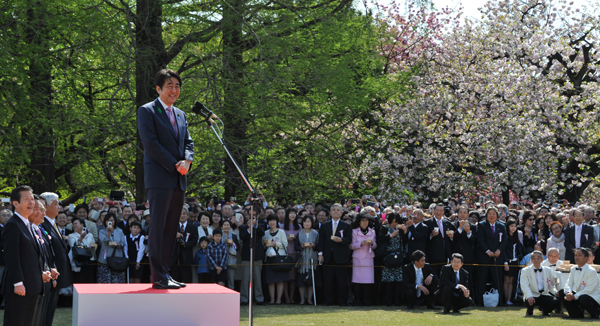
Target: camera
84 229
109 224
355 201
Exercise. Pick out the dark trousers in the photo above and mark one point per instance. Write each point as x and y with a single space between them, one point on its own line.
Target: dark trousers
482 277
22 310
50 302
410 295
437 267
362 294
454 299
546 302
165 209
335 274
182 273
576 307
393 291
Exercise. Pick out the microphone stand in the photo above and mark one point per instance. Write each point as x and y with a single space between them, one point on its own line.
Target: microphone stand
203 111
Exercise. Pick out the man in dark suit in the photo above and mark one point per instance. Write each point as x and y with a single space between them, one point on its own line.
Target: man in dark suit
491 238
441 235
418 233
454 286
465 239
419 282
5 214
23 284
60 250
577 235
183 254
168 154
335 237
47 255
259 256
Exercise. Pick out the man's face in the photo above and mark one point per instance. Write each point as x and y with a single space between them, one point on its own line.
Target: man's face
580 259
52 209
61 220
193 216
418 217
420 263
126 212
25 206
309 208
536 259
322 217
492 216
169 92
37 217
589 214
578 217
336 213
183 217
553 257
227 211
439 211
4 216
281 215
456 264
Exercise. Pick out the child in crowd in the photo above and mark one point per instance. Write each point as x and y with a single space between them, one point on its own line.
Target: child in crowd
217 257
201 261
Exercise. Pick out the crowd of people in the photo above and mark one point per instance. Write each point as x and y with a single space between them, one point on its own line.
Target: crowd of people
355 252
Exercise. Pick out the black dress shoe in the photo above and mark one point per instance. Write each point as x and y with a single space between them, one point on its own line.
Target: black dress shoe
181 284
529 311
446 311
456 311
165 285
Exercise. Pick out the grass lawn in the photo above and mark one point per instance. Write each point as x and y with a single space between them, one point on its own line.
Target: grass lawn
292 315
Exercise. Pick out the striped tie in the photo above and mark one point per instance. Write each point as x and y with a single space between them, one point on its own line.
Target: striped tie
172 118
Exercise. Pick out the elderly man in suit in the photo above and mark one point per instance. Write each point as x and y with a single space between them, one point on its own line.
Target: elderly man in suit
168 154
418 233
441 235
419 282
335 237
538 284
582 291
24 278
577 235
491 238
454 286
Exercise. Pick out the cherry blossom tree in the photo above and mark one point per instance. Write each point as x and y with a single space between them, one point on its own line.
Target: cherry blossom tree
506 103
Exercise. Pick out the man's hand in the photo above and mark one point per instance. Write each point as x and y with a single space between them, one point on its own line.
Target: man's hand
219 270
137 266
54 273
490 253
467 227
20 290
506 267
497 253
337 239
434 233
428 280
424 290
179 235
183 167
46 277
54 283
321 259
531 301
451 235
569 296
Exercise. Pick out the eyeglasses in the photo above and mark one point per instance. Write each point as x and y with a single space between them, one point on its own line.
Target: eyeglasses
531 219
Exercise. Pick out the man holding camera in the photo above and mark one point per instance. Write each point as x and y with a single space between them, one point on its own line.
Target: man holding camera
168 154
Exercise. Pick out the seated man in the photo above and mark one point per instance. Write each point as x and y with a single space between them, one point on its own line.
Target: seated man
582 291
538 284
419 282
454 285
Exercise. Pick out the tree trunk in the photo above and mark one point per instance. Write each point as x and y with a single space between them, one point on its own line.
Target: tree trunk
149 50
42 165
236 117
506 197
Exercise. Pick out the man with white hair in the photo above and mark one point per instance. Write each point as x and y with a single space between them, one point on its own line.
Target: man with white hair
553 262
538 284
61 251
589 214
577 235
418 233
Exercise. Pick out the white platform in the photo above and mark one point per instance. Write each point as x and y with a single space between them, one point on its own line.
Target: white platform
139 304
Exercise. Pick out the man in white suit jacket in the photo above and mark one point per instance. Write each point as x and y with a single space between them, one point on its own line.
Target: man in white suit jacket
554 262
582 290
538 284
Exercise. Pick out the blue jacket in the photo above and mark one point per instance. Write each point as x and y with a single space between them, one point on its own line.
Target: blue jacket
202 261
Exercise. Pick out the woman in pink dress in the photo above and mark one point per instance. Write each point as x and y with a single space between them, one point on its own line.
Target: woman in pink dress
363 246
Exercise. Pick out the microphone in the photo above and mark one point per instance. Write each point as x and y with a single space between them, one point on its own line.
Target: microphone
207 113
198 109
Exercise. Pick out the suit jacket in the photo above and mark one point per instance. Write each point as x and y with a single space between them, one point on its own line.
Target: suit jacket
448 278
410 276
185 253
162 147
23 258
439 248
340 252
2 262
61 255
463 244
417 238
576 280
487 240
124 227
546 263
586 240
259 249
529 284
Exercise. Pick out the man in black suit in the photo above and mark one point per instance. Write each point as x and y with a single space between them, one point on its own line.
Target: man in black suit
60 250
168 154
23 284
454 286
36 219
419 282
183 254
441 235
465 238
491 238
5 214
578 235
259 256
418 233
335 237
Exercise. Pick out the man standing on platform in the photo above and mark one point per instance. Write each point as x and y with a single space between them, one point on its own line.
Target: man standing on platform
538 284
168 154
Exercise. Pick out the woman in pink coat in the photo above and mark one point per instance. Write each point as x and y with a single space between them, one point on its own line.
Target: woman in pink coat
363 246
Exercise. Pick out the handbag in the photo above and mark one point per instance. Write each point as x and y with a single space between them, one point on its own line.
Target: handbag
308 280
82 254
394 260
118 264
281 263
490 298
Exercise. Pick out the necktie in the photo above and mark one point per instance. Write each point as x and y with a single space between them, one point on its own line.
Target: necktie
537 270
62 232
553 265
439 222
457 279
182 229
419 281
577 269
493 230
334 227
172 118
56 228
